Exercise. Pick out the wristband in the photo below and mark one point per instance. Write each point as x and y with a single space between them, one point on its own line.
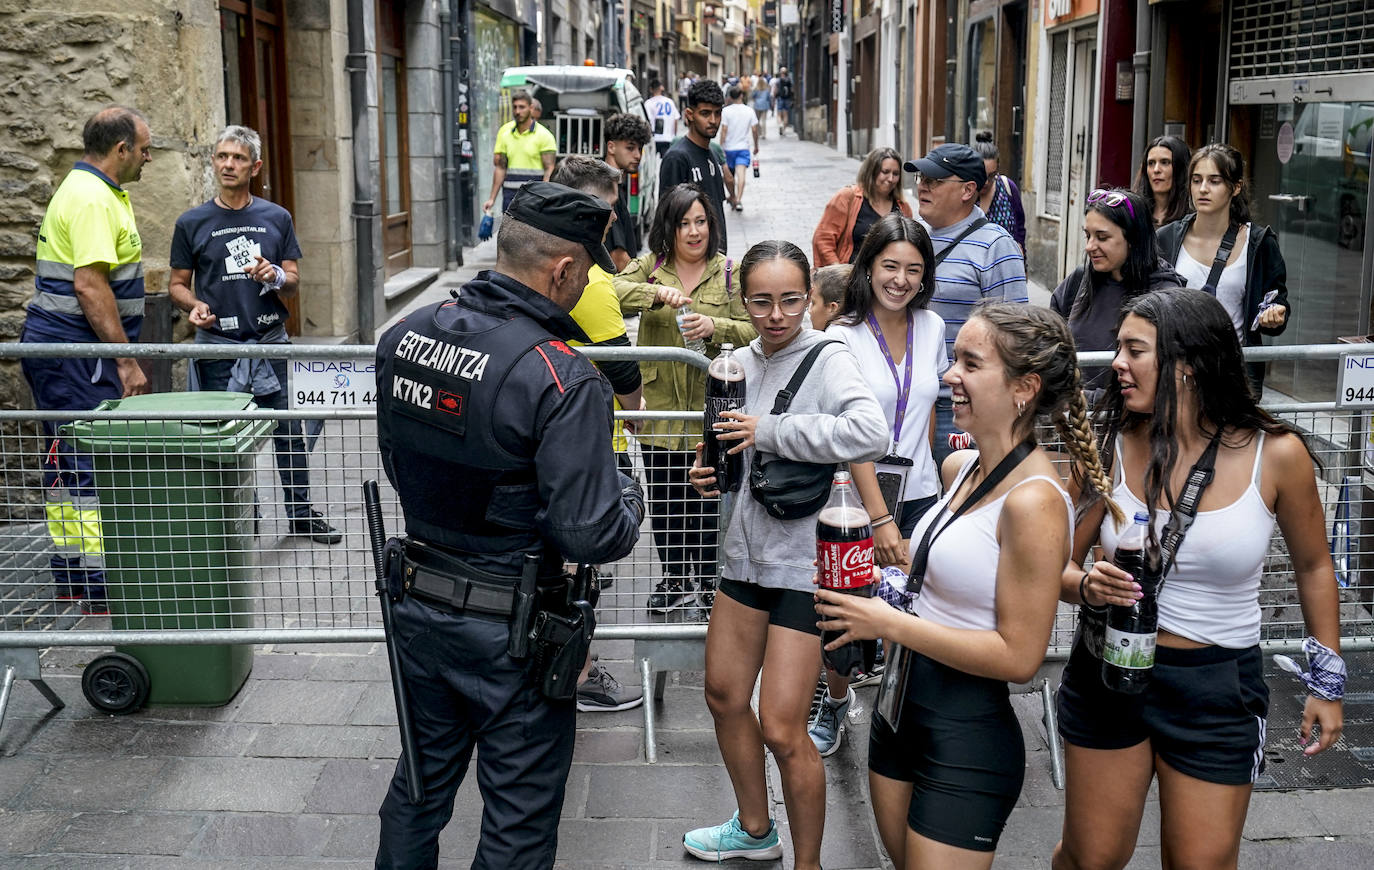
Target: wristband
1325 676
881 521
1082 587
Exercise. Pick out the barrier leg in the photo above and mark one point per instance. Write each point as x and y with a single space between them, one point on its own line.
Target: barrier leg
650 743
22 664
1052 735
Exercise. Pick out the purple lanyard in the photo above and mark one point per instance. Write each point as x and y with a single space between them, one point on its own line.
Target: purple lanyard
903 387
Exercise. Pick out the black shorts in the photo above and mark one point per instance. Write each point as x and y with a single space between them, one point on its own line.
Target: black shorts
1203 711
785 607
960 747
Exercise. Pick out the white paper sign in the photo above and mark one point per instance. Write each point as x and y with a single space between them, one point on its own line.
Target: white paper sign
333 383
1357 381
1330 129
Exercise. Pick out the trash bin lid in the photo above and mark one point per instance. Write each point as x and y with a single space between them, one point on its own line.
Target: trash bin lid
207 439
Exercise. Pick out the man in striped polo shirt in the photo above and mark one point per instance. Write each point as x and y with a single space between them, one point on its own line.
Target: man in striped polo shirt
975 260
88 287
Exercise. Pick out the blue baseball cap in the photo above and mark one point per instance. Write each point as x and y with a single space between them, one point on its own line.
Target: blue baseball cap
949 159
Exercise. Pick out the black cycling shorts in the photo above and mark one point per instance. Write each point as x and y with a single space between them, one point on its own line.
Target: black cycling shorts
785 607
1203 711
960 747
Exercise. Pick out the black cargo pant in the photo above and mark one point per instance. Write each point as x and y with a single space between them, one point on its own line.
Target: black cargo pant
466 692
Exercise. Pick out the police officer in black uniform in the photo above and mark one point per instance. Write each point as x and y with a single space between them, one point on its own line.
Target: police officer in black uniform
493 433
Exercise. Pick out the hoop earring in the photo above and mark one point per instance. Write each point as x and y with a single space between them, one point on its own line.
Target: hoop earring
1188 381
1020 409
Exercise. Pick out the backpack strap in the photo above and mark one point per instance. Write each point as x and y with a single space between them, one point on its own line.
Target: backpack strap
784 398
972 228
653 279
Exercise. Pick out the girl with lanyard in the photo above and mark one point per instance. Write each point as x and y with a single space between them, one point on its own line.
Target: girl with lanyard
900 346
1178 398
980 603
1218 249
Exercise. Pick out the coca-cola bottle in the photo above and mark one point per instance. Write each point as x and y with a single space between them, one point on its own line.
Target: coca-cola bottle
756 167
844 560
724 392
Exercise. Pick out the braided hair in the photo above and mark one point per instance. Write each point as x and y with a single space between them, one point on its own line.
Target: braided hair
1034 340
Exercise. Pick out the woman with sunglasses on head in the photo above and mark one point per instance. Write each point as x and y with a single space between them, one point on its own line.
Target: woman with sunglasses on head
684 266
849 214
1162 179
1218 249
1178 396
999 198
762 620
900 346
1122 262
986 566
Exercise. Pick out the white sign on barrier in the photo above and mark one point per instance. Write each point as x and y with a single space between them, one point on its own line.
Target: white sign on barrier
333 384
1357 381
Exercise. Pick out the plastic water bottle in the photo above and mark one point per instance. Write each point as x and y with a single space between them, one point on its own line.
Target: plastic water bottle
696 344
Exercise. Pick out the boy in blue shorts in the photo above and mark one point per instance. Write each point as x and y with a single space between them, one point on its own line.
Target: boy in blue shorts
739 129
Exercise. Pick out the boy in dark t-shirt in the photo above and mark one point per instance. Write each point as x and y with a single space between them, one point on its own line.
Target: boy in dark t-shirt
241 252
689 160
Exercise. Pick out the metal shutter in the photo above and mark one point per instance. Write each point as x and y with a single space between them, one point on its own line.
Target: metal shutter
1054 149
1301 37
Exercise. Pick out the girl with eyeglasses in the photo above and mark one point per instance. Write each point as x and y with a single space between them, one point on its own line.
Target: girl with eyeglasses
1163 180
763 619
850 213
1217 249
900 346
1122 261
684 266
1178 385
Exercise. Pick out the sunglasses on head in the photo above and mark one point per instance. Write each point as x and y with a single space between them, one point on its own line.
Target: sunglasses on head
1112 198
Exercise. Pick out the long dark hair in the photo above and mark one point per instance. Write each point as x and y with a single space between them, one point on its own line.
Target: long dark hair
1191 329
1142 250
672 208
1178 191
888 229
1231 167
773 249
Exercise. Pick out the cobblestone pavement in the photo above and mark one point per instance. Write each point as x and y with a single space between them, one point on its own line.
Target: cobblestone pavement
291 772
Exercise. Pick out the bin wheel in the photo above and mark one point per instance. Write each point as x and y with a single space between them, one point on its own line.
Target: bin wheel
116 683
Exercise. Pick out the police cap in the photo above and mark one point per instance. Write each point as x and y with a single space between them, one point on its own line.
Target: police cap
566 213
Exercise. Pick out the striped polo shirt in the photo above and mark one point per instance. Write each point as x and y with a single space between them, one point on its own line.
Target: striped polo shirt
89 220
986 265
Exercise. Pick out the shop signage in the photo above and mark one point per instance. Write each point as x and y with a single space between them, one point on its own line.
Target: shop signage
837 16
1059 12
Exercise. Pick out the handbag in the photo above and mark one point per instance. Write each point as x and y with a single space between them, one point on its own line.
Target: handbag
897 675
789 489
1092 621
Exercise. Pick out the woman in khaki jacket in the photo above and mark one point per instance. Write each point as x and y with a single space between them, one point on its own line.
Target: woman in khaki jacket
856 208
684 266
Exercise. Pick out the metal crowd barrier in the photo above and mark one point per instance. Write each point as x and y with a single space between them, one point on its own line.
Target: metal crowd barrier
302 591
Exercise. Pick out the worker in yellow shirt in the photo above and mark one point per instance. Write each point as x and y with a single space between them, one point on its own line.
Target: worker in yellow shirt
525 151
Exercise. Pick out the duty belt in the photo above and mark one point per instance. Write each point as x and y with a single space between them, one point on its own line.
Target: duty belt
448 584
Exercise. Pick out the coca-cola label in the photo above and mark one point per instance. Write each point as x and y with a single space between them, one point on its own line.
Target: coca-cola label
717 405
845 564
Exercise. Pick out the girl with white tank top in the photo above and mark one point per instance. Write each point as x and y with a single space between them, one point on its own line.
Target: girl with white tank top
947 774
1200 723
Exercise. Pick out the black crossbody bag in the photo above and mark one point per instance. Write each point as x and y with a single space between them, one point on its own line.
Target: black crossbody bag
897 675
1092 621
789 489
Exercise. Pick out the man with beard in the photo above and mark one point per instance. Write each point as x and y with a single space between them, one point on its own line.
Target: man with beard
690 160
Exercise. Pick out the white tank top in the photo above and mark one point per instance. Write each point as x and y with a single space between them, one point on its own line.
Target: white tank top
961 572
1212 594
1230 286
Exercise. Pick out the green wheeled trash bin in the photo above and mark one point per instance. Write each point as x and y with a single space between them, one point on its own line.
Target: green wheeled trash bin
176 516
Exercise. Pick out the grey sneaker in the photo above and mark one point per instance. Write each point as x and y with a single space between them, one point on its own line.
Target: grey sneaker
828 724
603 693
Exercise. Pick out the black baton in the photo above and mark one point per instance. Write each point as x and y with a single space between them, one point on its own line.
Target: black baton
522 615
376 531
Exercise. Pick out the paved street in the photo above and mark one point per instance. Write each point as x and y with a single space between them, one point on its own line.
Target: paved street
290 773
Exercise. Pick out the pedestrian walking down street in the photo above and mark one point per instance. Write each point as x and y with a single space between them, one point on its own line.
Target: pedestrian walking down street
690 159
1163 178
525 151
685 266
663 114
1219 250
1123 262
88 288
976 261
493 433
761 98
782 99
1178 409
999 198
739 138
241 253
763 621
854 209
900 347
946 756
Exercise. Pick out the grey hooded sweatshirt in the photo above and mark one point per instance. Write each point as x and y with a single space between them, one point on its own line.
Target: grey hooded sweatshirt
834 417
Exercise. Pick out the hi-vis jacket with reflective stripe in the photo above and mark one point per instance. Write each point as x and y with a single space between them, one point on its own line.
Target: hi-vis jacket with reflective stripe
89 221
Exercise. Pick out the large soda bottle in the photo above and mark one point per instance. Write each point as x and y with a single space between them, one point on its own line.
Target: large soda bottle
1128 649
724 392
844 560
695 344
